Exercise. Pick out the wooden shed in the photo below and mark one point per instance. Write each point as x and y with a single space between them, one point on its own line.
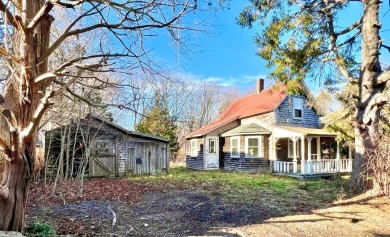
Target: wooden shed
102 148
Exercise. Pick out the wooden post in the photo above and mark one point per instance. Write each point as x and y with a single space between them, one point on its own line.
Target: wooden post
318 148
303 163
295 168
116 156
309 154
338 157
275 148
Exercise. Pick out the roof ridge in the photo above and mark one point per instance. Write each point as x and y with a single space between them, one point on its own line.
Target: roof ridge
269 88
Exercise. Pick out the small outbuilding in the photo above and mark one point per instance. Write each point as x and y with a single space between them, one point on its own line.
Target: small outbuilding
97 147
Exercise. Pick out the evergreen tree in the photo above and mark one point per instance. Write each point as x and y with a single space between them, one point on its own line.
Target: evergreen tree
157 121
311 39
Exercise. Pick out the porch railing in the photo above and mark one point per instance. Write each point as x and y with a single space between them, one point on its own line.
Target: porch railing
314 166
283 167
321 166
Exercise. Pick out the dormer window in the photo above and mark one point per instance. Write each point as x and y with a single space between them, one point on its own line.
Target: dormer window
298 108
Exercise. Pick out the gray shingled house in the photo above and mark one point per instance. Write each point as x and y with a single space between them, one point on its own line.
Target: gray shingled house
269 131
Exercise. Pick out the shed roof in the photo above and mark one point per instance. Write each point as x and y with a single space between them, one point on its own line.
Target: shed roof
246 129
263 102
122 129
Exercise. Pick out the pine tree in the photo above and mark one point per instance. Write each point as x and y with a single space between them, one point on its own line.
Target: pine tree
157 121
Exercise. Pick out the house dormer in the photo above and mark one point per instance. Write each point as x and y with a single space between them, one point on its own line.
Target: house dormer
295 110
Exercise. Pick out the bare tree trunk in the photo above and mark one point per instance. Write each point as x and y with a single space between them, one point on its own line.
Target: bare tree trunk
370 95
13 207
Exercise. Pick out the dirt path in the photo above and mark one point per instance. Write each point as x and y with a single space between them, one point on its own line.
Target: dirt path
360 218
173 213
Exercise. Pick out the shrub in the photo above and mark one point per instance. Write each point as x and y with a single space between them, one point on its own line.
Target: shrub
40 229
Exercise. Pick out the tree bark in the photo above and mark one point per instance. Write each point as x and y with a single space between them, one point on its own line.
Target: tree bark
370 92
22 100
13 208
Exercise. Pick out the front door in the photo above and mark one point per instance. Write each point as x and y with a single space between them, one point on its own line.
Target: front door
212 154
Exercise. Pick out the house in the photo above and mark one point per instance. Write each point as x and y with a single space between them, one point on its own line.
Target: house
105 149
269 131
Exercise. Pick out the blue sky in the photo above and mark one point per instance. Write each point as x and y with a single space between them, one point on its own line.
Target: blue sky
227 56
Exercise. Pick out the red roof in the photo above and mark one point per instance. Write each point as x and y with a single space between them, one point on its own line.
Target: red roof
265 101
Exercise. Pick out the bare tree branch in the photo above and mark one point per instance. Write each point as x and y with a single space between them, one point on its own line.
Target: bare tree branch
8 14
350 28
334 49
43 12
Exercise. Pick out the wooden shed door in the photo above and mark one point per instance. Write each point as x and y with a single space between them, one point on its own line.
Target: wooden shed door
102 166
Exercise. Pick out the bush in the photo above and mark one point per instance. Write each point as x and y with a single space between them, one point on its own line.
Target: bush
40 229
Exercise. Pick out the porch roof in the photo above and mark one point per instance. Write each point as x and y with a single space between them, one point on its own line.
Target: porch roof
289 131
246 129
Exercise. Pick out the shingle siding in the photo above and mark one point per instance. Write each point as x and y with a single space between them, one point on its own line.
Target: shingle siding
284 114
195 163
246 165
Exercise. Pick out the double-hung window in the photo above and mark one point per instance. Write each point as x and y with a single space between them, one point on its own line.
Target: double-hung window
253 146
235 147
194 147
298 108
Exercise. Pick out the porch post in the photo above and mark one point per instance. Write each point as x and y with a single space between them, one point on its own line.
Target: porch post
338 164
309 148
275 155
318 148
349 158
295 168
349 152
310 165
303 165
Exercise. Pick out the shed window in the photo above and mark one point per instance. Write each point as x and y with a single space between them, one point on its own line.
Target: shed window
252 146
194 147
235 147
298 107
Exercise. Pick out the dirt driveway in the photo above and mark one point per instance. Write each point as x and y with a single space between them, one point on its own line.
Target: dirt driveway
356 217
119 207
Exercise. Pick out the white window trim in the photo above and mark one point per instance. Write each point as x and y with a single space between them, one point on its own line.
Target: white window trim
238 147
297 146
192 153
259 147
298 105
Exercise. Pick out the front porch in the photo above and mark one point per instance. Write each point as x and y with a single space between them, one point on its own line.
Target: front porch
299 152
